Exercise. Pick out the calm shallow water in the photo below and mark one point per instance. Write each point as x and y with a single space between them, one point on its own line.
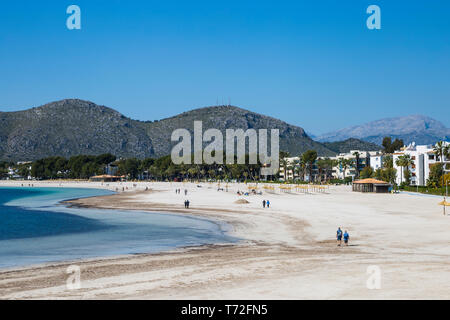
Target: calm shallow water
34 228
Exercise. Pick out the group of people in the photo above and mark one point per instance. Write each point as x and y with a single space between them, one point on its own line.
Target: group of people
266 203
339 236
178 191
186 204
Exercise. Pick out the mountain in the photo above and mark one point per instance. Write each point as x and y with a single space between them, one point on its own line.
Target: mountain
418 128
71 127
351 144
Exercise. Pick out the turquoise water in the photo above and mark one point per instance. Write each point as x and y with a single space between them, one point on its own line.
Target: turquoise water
35 228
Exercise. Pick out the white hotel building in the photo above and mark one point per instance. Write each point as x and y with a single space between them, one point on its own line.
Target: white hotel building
365 158
423 157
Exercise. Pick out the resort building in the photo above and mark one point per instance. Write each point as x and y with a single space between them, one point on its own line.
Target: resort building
293 171
364 159
111 169
289 171
423 157
376 160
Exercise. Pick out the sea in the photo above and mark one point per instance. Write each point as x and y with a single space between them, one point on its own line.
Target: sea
36 228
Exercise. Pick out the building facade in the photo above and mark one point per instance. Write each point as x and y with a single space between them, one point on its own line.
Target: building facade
293 171
364 159
423 157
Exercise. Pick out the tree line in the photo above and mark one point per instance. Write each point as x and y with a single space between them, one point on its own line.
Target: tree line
86 166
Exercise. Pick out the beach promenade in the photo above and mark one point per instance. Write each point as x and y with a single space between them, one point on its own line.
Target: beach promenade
287 251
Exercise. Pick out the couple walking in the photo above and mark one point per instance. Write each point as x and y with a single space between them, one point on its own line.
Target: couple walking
339 237
266 203
186 204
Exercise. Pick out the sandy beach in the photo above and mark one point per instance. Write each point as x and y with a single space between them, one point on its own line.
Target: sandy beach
287 251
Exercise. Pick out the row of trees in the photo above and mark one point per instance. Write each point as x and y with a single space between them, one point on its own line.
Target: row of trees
77 167
85 166
4 169
318 170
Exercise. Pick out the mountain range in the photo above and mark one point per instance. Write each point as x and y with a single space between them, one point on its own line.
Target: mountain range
72 126
413 128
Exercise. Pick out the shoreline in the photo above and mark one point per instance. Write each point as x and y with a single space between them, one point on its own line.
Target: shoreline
287 251
77 202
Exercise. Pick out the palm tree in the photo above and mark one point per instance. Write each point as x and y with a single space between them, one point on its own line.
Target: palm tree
407 161
404 162
400 162
302 168
446 155
284 163
344 163
320 166
309 157
441 150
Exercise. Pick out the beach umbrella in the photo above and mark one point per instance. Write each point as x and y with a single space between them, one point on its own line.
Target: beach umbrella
444 204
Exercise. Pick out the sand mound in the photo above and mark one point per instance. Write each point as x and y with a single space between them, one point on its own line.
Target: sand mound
241 201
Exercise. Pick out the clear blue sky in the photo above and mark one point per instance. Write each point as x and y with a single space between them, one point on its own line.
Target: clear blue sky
310 63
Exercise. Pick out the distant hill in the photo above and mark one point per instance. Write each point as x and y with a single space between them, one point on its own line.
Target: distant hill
351 144
418 128
71 127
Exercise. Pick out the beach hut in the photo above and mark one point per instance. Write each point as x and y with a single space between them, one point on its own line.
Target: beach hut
371 185
105 178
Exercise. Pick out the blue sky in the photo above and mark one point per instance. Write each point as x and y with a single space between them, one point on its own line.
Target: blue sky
310 63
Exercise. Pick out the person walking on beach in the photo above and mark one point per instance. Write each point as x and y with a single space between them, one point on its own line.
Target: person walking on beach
268 203
187 204
185 192
346 237
339 236
264 203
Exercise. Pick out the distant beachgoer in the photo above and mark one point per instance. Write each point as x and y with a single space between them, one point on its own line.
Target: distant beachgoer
185 191
268 204
264 203
346 237
339 236
187 204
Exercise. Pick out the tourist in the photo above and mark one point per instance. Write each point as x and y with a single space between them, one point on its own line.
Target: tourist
187 204
339 236
268 203
185 191
264 203
346 237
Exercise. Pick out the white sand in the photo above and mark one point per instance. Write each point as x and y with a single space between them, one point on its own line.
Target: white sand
288 251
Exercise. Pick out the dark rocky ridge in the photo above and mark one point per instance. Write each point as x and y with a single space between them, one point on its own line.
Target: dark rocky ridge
71 127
